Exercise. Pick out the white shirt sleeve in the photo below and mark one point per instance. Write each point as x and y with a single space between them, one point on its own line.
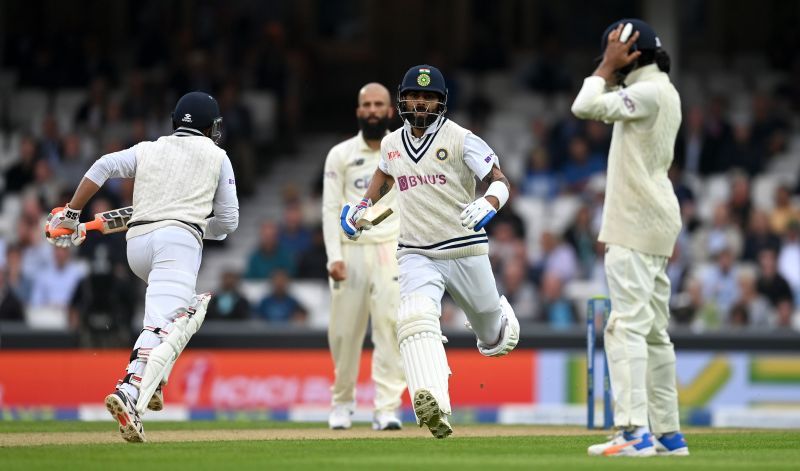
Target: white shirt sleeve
383 164
638 101
120 164
478 156
226 205
332 197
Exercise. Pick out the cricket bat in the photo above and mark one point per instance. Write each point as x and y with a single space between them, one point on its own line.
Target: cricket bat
107 222
373 216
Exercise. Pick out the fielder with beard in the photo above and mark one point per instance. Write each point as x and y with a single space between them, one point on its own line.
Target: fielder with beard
363 276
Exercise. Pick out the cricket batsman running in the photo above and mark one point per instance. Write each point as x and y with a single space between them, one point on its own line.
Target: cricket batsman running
442 243
641 221
180 179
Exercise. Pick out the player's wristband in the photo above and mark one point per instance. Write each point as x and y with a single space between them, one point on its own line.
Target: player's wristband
73 214
500 191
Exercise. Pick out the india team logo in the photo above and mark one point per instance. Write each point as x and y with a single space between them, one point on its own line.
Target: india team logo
441 154
424 79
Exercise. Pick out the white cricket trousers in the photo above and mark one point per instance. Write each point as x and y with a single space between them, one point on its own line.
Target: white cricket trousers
470 282
370 292
168 260
640 354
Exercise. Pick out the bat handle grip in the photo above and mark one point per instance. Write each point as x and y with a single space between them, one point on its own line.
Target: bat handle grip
94 225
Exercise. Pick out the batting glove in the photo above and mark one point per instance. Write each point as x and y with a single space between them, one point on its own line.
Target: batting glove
65 218
351 214
477 214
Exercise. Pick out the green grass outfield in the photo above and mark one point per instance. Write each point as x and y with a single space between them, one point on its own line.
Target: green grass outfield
219 445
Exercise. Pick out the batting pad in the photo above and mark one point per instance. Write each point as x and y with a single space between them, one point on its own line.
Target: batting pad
420 337
163 356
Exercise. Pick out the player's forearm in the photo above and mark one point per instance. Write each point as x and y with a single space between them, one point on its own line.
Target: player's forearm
86 189
496 195
379 186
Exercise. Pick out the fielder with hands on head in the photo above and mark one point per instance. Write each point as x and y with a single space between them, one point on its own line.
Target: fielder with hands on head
442 245
641 221
180 179
363 276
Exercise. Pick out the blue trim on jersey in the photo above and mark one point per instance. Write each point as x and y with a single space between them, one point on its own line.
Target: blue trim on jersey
416 153
481 239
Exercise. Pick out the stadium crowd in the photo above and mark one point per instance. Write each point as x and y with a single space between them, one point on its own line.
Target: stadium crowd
736 175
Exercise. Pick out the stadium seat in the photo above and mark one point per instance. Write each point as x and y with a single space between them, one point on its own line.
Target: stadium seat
27 107
65 105
263 108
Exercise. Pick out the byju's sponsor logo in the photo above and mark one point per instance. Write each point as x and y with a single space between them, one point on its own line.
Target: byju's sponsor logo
412 181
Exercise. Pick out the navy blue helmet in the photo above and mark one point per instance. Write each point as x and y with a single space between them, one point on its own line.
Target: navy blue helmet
648 40
422 78
198 110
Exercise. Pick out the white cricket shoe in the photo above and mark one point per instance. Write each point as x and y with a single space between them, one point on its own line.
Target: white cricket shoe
625 444
386 421
339 419
123 410
510 336
430 415
157 399
671 446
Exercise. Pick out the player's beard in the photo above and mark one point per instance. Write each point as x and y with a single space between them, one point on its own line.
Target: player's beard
373 131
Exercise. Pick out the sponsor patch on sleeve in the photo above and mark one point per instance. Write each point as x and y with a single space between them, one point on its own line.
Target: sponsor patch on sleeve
627 101
488 158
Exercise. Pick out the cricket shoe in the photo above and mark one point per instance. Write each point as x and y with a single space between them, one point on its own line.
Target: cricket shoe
157 399
625 444
386 421
339 418
671 446
430 415
123 410
509 337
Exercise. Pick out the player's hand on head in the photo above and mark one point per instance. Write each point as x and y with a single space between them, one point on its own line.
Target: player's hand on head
618 54
477 214
350 215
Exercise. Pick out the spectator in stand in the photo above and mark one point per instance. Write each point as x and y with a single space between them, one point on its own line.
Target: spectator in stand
279 306
50 141
228 303
742 153
721 233
759 237
294 237
91 113
312 262
690 309
739 205
21 173
720 284
11 308
540 180
269 256
679 264
14 279
72 166
557 258
54 286
505 246
789 259
784 211
557 311
582 237
756 308
518 290
771 284
581 166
